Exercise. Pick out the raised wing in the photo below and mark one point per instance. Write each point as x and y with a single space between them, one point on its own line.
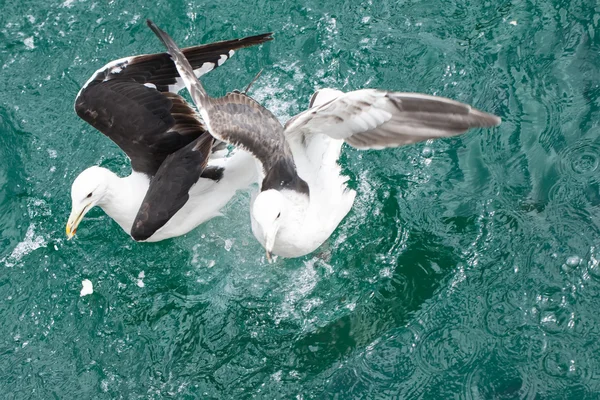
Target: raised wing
146 124
376 119
239 120
158 69
132 102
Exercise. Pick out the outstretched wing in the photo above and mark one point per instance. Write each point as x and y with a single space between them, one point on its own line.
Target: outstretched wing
146 124
158 69
376 119
132 102
239 120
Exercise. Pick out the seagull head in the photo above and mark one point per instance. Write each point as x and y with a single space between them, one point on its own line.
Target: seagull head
87 191
268 210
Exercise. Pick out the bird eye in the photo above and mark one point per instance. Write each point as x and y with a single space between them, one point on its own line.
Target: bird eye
278 215
89 195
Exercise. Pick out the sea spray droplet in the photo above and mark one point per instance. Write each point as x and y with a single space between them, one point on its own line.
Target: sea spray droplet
87 288
427 152
573 261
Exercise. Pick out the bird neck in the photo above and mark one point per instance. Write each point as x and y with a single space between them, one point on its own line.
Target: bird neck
124 197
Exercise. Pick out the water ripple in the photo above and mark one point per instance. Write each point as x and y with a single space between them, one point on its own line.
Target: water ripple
498 380
580 161
452 347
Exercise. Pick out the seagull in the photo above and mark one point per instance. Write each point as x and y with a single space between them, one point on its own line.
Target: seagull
180 176
303 194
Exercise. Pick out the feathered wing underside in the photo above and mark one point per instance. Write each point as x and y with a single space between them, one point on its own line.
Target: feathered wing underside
169 188
146 124
375 119
239 120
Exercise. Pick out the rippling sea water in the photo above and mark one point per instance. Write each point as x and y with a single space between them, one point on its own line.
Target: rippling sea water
469 268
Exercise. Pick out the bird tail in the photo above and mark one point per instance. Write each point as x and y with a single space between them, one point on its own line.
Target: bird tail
183 66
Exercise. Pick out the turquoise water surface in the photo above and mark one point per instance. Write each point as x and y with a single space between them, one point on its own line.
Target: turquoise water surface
467 269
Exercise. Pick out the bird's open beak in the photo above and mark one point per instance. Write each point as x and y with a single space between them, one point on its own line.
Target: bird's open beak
74 220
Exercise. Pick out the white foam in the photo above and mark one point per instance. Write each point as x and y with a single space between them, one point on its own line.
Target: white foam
68 3
86 288
30 243
270 96
29 43
301 285
140 281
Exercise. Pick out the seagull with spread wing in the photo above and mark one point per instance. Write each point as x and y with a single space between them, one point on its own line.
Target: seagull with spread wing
179 177
303 195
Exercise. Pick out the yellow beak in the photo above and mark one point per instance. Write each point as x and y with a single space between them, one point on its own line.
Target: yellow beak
74 220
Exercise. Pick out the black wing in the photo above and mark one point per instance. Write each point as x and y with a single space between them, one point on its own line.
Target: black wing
169 188
159 70
131 101
146 124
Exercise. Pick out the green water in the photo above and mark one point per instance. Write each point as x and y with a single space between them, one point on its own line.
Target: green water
468 273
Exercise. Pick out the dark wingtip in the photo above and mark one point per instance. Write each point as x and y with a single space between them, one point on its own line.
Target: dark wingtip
250 40
151 25
158 32
140 235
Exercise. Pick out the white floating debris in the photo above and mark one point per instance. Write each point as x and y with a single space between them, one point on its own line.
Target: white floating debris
140 281
29 42
513 23
87 288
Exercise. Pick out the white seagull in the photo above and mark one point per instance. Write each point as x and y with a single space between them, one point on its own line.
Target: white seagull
179 177
303 195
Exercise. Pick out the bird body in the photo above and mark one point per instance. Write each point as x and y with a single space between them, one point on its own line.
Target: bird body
317 214
178 180
121 198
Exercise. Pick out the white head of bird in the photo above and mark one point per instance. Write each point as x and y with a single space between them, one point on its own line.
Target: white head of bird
88 189
268 211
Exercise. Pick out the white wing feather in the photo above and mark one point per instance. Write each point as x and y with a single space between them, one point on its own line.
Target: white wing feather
375 119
